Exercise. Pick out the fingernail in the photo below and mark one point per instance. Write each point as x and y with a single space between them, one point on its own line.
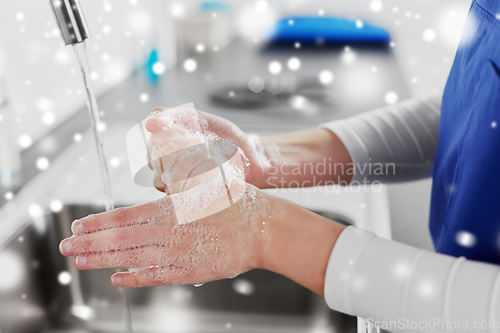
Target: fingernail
117 279
80 261
66 246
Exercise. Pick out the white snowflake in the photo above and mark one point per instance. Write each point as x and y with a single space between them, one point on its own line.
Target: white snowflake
391 97
42 163
294 64
190 65
274 67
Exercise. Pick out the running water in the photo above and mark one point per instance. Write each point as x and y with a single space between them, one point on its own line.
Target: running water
95 122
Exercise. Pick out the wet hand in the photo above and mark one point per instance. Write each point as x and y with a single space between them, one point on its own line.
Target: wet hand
148 240
174 130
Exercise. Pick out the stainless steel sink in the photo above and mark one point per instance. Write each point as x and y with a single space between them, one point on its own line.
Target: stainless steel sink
41 291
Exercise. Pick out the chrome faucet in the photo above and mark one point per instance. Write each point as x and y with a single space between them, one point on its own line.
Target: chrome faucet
69 16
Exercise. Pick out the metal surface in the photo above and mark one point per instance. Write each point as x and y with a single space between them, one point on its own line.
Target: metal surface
39 298
69 16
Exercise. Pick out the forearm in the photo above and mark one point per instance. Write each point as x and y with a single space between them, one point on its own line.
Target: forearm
303 159
394 143
300 246
386 281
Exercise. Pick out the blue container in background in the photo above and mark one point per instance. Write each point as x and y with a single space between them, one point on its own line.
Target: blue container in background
328 30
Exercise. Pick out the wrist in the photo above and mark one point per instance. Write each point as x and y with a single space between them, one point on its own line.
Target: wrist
304 159
300 245
262 154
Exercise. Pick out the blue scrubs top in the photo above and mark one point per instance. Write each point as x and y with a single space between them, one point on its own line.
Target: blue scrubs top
465 207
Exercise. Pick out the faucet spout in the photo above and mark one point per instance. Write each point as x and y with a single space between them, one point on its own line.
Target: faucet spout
71 21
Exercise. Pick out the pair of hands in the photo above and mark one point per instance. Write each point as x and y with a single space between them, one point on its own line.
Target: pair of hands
194 235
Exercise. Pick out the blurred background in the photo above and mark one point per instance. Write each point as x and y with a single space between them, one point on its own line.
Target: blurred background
174 41
270 66
42 79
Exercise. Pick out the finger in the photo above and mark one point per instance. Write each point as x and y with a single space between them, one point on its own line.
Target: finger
129 280
186 118
164 147
169 274
159 109
116 218
116 239
132 258
171 252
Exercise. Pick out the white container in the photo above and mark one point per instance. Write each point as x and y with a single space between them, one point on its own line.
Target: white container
200 25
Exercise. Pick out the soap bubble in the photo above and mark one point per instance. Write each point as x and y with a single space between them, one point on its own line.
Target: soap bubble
391 97
42 163
429 35
64 278
294 63
190 65
326 77
274 67
243 287
256 84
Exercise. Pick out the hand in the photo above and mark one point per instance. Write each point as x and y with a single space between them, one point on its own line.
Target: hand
259 231
174 130
148 240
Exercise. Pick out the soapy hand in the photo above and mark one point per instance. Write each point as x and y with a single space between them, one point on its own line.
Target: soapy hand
177 136
157 250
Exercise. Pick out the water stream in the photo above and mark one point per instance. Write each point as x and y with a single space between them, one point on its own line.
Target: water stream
95 121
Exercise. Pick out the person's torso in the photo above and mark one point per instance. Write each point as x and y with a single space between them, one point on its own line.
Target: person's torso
465 208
